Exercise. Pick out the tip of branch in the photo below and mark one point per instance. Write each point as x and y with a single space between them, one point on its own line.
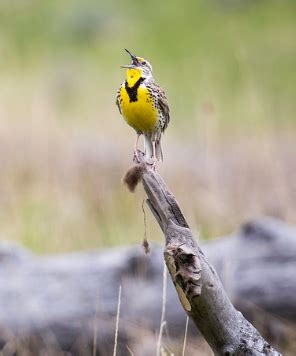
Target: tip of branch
133 176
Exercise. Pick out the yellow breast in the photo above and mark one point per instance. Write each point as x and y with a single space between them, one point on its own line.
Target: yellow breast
140 114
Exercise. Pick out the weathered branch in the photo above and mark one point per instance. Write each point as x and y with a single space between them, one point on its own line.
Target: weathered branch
197 283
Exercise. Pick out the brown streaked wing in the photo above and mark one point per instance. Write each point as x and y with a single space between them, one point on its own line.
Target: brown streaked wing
162 102
118 100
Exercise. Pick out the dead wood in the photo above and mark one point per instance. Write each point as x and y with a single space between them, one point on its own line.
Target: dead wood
198 286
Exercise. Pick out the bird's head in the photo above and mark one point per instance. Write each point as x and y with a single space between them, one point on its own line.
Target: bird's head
138 68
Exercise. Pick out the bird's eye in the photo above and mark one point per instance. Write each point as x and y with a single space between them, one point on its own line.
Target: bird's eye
143 63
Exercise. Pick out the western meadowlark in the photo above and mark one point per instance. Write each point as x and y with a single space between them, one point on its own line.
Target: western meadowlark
144 106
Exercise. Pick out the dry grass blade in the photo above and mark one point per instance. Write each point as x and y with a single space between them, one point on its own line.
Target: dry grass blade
129 350
117 321
185 336
162 321
95 330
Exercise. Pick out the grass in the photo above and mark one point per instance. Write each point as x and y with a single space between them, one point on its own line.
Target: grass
67 195
185 336
117 322
163 308
228 69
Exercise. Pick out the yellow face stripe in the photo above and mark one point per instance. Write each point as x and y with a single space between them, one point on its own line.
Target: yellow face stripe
132 76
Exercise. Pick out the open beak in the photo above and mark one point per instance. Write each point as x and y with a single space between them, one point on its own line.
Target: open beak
135 61
128 66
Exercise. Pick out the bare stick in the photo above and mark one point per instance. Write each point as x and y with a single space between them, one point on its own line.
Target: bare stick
117 322
197 283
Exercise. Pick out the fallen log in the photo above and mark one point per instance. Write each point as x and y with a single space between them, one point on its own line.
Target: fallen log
68 302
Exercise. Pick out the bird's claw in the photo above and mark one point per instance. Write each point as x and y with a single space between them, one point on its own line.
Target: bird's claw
152 162
136 157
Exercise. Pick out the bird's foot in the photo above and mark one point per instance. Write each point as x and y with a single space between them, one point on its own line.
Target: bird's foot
152 162
137 154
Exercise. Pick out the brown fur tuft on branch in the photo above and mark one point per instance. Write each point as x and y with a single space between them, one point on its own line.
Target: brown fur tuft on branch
133 176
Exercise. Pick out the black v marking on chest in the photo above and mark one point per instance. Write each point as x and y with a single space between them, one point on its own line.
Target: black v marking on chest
133 91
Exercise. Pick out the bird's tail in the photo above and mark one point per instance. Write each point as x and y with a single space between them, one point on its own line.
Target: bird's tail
158 150
148 146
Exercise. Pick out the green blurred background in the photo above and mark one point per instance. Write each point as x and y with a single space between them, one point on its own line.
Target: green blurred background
228 68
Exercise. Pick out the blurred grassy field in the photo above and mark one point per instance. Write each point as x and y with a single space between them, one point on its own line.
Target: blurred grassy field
228 68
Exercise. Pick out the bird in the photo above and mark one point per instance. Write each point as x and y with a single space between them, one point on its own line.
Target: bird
144 106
